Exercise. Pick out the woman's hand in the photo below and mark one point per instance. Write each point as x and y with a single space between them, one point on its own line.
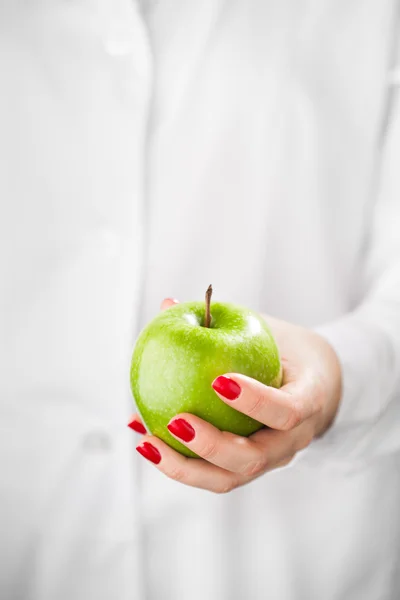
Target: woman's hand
302 409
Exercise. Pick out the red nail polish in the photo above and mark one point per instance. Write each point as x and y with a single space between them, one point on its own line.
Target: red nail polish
228 388
137 426
182 429
150 452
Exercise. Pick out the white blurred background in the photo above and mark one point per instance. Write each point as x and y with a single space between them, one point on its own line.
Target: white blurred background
146 150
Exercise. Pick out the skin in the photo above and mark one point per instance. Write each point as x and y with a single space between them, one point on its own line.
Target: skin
301 410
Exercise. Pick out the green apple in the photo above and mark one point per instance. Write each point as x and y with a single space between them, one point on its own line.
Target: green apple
177 357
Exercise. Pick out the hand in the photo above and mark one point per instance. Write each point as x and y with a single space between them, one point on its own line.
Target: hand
302 409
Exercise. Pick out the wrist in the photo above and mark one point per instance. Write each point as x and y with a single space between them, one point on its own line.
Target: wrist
332 386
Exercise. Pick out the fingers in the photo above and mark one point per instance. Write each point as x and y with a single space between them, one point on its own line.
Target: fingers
282 446
167 303
136 424
227 461
284 463
246 457
282 409
190 471
221 448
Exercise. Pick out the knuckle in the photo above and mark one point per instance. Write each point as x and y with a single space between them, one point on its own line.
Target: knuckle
241 444
318 404
208 451
255 467
294 418
286 462
304 443
225 487
177 474
255 405
318 394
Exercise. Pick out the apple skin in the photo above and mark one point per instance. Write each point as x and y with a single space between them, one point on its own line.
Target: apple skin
176 359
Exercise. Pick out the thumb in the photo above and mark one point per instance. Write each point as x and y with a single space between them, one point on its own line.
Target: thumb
167 303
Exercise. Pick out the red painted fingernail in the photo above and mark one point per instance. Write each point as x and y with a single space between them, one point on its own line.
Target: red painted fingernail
150 452
137 426
228 388
182 429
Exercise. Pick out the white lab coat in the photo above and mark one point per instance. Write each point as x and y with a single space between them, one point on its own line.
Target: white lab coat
253 144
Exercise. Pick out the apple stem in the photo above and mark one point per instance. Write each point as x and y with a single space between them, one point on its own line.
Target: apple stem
207 321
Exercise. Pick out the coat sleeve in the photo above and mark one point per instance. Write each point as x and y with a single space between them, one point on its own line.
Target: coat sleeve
367 341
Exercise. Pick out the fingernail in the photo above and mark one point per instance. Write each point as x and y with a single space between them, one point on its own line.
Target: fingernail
182 429
150 452
172 300
228 388
137 426
168 302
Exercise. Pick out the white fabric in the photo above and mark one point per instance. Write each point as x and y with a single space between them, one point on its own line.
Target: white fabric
251 144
